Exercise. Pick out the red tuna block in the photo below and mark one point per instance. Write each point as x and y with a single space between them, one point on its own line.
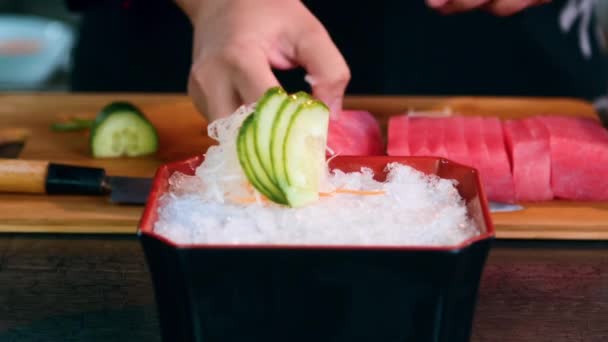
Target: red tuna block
418 137
436 130
398 143
474 142
484 141
455 141
498 168
355 132
579 157
529 151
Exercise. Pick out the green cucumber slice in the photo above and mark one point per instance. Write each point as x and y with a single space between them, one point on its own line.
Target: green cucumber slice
267 187
243 157
265 117
120 129
304 153
279 131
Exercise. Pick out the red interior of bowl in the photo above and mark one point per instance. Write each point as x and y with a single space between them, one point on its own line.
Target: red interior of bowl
469 187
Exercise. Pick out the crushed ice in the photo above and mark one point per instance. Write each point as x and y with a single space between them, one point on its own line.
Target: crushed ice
412 208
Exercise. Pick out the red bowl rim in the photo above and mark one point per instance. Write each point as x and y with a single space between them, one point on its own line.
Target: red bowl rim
146 224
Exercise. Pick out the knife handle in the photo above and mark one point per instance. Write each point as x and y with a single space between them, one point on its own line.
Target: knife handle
23 176
43 177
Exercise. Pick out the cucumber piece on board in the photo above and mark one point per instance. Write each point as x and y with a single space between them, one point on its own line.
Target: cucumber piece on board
121 129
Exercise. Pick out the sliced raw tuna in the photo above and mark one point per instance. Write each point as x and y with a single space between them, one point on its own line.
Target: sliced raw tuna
435 139
476 147
455 141
418 137
355 132
398 143
485 143
474 141
499 179
579 158
527 143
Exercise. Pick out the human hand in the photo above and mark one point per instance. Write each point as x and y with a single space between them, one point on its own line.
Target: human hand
238 42
497 7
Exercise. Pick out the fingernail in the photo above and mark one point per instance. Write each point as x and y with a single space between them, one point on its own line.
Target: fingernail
310 80
335 108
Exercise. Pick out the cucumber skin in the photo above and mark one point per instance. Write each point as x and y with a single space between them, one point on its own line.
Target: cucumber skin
273 192
114 107
110 110
269 94
301 98
246 129
277 171
241 152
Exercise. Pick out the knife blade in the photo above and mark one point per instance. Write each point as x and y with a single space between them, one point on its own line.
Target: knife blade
129 190
44 177
499 207
12 141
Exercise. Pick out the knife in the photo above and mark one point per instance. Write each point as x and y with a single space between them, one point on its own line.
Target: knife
499 207
44 177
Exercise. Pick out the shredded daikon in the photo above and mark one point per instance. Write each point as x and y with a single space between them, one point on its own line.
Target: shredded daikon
218 205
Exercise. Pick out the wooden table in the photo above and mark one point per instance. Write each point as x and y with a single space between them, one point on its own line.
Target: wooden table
97 288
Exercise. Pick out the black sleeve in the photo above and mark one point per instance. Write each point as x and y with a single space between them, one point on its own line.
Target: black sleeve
82 5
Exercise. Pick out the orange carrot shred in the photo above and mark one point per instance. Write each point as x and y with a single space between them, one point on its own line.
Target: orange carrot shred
354 192
360 192
247 200
244 200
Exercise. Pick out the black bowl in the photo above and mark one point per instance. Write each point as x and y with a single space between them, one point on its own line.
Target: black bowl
320 293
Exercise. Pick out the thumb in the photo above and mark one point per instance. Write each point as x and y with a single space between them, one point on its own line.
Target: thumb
328 73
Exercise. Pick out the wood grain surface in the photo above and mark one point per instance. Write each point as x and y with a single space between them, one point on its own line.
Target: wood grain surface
23 176
97 288
183 134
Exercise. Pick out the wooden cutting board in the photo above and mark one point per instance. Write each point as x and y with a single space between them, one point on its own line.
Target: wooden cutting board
183 134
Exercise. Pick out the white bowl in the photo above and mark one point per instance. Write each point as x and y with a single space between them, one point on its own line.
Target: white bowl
31 50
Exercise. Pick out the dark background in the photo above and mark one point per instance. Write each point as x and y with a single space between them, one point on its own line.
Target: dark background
392 47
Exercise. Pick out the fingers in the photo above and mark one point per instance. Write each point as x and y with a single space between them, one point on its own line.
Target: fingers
505 8
456 6
328 73
436 3
212 91
219 85
497 7
235 65
251 74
